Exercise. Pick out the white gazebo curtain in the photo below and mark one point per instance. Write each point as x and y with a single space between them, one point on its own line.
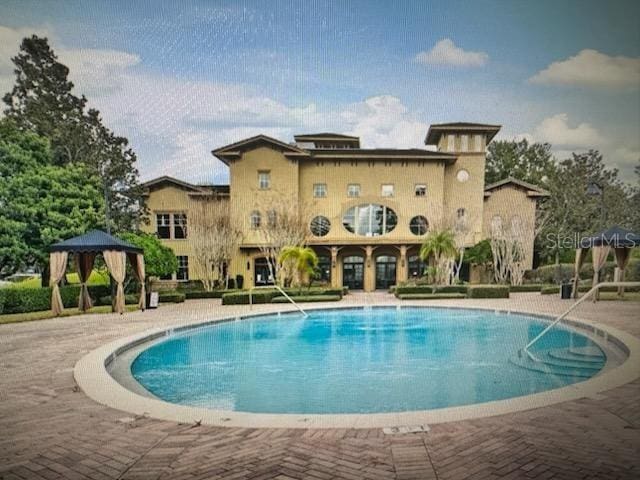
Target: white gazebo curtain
117 264
57 267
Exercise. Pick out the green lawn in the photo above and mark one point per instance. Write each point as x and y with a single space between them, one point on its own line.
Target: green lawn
628 296
68 312
97 277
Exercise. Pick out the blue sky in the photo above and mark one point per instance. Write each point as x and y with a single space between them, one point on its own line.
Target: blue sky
182 78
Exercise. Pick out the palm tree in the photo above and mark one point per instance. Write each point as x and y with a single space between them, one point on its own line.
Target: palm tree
303 260
442 246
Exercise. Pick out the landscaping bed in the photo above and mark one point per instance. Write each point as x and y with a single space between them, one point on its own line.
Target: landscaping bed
308 298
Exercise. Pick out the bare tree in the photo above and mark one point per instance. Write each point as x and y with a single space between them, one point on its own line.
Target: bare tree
508 249
215 239
284 225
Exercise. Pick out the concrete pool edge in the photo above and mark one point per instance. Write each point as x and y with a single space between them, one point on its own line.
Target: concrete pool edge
94 379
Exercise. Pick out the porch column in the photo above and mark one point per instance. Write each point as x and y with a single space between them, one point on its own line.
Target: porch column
335 281
369 270
403 267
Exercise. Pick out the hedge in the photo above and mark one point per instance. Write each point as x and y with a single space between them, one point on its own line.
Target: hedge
555 289
531 287
171 297
553 274
242 298
488 291
25 300
451 289
308 298
129 299
430 296
405 289
191 294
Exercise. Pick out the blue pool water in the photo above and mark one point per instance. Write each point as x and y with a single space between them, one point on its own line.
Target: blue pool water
363 361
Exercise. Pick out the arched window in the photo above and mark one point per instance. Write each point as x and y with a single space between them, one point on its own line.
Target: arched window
255 219
417 267
370 220
516 224
419 225
461 213
320 226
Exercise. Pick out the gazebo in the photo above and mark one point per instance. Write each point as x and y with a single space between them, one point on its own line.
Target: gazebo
85 248
618 238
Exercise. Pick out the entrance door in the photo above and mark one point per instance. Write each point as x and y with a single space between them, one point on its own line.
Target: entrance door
385 271
261 272
353 272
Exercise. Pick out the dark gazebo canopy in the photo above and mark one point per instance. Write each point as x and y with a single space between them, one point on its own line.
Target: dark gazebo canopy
616 237
85 248
94 241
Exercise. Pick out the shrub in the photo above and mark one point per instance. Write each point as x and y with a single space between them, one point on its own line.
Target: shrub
24 300
191 294
451 289
527 287
550 290
430 296
413 289
171 297
3 299
242 298
489 291
129 299
308 298
190 285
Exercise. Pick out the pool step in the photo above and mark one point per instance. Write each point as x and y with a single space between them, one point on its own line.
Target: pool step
522 360
566 354
589 352
548 359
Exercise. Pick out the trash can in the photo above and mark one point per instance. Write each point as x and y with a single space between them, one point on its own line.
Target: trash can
565 291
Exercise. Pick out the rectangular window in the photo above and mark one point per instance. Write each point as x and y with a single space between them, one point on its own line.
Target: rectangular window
264 180
477 143
464 143
451 143
183 268
163 225
319 190
421 190
387 190
179 225
353 190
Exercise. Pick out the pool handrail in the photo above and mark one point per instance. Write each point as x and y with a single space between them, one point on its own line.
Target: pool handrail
277 287
560 317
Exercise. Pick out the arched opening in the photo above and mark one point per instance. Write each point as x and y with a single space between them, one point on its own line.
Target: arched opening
353 272
417 267
385 271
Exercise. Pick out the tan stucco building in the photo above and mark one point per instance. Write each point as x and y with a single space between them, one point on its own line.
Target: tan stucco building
367 210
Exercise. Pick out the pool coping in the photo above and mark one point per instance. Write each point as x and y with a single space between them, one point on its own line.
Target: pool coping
92 375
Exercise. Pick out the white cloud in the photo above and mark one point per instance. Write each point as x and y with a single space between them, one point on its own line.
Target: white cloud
590 68
445 52
557 131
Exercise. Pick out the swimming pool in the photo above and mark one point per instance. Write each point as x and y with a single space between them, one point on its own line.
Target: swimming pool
360 360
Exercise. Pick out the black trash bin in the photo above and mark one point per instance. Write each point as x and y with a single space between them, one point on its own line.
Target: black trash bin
565 291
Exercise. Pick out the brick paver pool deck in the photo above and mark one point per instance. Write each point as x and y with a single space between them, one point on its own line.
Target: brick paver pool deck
50 430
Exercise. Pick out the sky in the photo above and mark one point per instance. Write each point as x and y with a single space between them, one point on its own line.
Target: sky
179 79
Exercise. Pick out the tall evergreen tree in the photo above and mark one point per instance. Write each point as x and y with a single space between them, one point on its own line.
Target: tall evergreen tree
42 101
529 162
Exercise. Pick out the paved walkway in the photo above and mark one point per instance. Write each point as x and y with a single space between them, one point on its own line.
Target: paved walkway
51 430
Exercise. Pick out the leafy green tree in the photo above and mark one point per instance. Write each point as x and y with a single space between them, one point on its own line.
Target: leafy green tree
159 259
441 245
529 162
42 203
304 262
572 212
42 102
480 253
